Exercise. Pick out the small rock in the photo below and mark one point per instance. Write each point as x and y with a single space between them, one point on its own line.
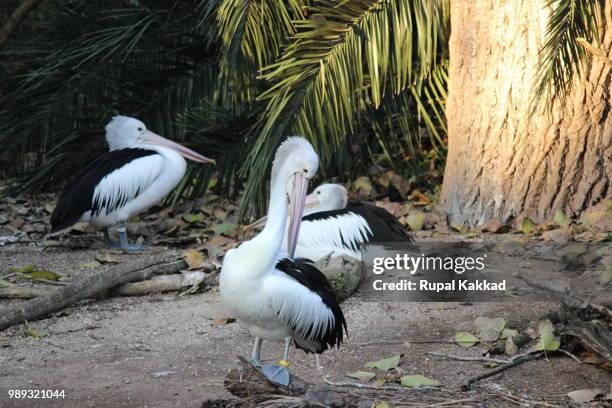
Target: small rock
513 246
559 235
16 224
3 219
598 219
5 232
159 374
573 252
4 342
495 227
27 228
40 228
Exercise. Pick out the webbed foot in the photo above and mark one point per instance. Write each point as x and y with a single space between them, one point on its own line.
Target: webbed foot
277 373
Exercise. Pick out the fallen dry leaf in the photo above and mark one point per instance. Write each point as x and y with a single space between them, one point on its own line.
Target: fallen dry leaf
419 198
222 321
586 395
193 258
363 187
106 259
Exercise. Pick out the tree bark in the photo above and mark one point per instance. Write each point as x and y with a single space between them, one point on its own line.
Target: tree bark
505 161
16 18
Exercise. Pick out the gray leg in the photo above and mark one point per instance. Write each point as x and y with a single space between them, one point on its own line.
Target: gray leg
279 373
318 360
287 345
108 239
125 245
256 356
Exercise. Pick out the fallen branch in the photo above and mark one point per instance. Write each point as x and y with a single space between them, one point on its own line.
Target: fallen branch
157 284
87 287
594 337
393 342
517 360
21 292
249 382
563 291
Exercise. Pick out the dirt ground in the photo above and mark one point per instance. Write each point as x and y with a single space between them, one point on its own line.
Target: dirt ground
164 350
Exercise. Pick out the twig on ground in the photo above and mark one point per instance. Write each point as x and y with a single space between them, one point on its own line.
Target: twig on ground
567 353
391 342
524 402
78 329
518 359
373 387
462 358
40 280
453 402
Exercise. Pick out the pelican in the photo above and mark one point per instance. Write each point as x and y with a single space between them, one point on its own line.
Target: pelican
277 297
333 225
140 169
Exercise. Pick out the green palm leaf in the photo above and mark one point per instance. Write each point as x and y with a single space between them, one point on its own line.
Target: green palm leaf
252 33
562 57
344 58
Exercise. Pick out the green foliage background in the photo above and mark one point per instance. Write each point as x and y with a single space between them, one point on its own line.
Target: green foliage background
363 80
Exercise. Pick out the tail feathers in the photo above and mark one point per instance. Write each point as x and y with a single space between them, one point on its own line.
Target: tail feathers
64 216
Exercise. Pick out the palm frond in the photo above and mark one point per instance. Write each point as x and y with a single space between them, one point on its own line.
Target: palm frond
562 57
252 33
89 61
344 58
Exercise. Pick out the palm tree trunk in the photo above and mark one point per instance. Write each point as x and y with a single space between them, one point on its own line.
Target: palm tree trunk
505 161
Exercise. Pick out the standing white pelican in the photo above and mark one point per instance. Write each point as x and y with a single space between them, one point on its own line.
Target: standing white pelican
140 169
278 298
333 225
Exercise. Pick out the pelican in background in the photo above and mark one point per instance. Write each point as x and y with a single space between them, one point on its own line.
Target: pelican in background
279 298
140 169
333 225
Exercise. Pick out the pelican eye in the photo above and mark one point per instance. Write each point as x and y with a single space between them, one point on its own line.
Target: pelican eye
305 170
318 192
140 129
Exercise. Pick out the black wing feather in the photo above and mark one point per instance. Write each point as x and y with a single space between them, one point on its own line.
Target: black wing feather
77 197
385 227
303 271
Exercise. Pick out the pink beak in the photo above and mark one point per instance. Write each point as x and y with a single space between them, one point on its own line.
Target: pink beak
157 140
311 201
296 210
